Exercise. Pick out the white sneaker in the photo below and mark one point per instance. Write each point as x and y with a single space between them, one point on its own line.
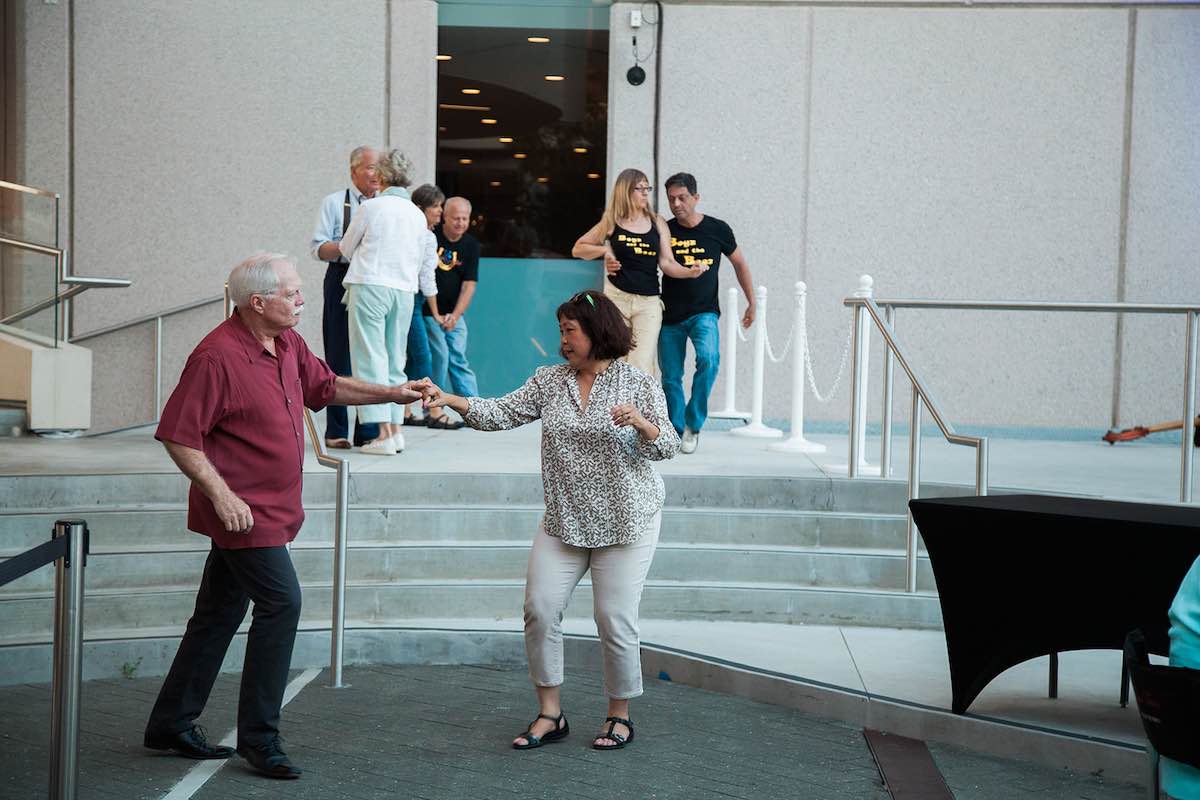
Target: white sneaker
691 439
380 447
398 441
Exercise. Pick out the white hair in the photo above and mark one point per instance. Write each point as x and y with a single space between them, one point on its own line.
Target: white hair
256 275
359 154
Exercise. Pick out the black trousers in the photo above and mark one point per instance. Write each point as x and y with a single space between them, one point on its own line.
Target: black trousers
335 333
232 578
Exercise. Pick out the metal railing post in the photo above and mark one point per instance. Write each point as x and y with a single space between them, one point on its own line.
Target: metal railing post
68 660
158 350
859 363
981 467
855 382
338 627
889 369
1189 412
914 491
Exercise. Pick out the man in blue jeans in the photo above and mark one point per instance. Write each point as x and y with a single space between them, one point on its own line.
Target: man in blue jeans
457 277
691 308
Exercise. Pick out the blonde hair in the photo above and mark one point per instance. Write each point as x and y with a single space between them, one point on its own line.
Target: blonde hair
394 169
620 206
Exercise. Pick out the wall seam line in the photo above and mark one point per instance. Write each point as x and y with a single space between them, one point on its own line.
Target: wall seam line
1123 232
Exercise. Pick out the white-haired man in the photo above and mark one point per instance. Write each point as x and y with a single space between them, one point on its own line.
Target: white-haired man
337 209
234 426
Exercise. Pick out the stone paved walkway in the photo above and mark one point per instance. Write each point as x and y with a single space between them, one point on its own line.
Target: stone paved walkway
443 732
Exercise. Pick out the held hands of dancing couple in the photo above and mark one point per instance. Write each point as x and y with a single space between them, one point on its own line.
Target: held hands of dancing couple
232 510
623 415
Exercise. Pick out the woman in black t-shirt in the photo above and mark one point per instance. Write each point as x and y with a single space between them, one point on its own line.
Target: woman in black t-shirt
635 245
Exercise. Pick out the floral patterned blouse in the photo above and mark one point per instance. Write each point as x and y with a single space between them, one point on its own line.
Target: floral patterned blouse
599 485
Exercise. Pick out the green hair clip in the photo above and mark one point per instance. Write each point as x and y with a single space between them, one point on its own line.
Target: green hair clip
588 297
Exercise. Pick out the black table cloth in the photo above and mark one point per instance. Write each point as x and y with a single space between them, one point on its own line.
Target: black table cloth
1022 576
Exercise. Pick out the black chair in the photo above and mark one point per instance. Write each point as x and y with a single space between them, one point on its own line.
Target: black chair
1168 701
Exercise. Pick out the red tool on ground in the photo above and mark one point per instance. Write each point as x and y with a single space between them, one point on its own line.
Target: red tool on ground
1139 431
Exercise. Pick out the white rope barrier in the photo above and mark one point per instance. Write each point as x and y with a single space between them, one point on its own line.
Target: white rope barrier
756 429
796 443
797 344
733 332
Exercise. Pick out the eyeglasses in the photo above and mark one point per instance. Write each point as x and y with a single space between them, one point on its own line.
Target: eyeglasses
581 297
643 189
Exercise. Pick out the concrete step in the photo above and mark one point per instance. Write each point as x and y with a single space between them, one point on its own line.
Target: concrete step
501 560
52 493
135 529
122 613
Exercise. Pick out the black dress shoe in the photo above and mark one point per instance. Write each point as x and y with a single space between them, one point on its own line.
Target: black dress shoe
192 743
270 760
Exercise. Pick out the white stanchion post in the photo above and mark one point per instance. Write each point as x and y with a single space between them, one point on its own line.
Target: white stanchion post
796 443
729 361
756 428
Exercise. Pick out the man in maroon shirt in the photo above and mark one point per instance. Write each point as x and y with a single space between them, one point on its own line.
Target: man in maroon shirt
234 426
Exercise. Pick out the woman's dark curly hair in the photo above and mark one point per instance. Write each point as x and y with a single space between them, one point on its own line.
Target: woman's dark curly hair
602 322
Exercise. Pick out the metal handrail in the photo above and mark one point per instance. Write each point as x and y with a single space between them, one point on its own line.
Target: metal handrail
341 507
1190 311
920 394
78 283
20 187
142 320
68 550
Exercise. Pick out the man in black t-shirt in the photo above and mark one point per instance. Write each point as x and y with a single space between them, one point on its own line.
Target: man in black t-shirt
691 308
457 276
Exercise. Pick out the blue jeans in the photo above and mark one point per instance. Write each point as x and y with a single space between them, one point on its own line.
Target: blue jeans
702 329
448 351
419 364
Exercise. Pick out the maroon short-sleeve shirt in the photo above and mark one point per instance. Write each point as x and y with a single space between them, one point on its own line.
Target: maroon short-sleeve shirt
242 407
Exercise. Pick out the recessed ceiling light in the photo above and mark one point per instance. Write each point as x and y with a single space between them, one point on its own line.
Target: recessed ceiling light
464 161
543 180
488 121
538 39
494 184
580 149
554 78
518 155
506 140
593 175
457 107
443 57
470 90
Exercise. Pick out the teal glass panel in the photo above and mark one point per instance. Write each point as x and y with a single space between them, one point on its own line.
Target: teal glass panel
531 14
512 329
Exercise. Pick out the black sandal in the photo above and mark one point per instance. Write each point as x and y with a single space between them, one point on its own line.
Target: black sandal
531 741
620 740
443 423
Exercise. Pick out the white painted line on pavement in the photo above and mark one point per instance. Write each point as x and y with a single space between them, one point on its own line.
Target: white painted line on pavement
198 775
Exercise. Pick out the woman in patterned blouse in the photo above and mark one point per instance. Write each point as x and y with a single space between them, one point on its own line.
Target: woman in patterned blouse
603 422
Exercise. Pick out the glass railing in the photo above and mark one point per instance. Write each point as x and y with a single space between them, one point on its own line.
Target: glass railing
29 265
36 284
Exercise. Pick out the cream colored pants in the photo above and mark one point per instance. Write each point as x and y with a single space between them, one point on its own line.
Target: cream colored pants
618 574
645 317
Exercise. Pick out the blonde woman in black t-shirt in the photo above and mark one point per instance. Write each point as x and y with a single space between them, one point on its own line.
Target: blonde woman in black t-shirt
629 237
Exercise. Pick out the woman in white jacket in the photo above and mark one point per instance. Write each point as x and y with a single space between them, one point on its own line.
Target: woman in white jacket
392 256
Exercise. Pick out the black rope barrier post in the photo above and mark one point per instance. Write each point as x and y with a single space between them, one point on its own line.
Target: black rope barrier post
68 659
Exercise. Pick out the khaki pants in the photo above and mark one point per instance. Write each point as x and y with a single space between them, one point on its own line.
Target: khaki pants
618 574
645 317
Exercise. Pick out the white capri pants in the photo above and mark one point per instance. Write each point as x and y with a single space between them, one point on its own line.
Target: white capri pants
618 575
